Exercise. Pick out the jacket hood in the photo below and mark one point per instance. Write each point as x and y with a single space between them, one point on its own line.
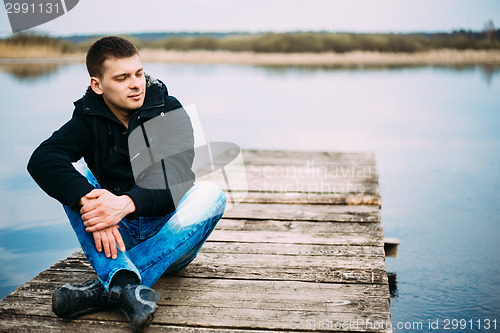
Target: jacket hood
93 104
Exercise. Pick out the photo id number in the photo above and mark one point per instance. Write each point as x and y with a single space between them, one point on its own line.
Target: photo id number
31 8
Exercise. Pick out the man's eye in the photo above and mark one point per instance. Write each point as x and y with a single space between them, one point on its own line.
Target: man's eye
140 74
120 79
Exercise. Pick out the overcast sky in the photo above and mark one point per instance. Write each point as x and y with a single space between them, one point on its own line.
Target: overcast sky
127 16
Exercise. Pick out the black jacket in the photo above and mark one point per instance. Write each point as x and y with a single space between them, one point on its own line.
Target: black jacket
95 134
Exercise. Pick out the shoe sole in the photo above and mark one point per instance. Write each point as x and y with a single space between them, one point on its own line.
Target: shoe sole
142 326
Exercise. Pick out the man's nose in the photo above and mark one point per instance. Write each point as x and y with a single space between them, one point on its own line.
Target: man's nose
135 83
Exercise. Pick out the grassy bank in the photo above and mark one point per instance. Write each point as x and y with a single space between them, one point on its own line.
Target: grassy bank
356 58
349 59
305 42
283 49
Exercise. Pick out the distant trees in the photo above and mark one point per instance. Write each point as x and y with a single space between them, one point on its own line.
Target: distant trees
28 39
489 30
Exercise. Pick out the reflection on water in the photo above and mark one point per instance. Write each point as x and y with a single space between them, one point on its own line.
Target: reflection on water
393 284
434 131
29 72
488 71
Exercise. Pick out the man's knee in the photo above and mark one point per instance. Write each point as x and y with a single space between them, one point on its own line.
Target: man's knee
211 190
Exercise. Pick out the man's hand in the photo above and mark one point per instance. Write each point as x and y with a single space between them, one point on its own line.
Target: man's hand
102 209
107 239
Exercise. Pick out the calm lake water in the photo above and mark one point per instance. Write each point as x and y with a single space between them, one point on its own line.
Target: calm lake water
435 132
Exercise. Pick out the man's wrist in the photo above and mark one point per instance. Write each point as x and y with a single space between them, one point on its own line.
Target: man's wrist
130 205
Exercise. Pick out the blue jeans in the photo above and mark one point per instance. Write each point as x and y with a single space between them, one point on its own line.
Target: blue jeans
155 245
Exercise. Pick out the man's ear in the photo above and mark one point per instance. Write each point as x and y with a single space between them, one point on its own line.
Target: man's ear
95 84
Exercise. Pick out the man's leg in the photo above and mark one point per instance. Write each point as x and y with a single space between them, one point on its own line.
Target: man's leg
105 267
72 300
181 237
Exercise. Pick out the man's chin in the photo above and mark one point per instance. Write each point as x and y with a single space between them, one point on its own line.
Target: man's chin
134 105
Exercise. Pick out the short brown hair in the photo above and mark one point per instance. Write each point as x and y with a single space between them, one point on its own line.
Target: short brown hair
105 48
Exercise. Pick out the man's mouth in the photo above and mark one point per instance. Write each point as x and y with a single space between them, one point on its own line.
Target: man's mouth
136 96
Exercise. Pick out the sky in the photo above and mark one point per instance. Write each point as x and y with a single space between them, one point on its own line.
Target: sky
131 16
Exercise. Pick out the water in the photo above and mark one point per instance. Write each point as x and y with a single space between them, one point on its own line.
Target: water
435 132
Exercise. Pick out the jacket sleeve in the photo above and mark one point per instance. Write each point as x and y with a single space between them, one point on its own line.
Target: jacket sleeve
50 164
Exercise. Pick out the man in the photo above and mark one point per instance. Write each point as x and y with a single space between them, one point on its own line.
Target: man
130 234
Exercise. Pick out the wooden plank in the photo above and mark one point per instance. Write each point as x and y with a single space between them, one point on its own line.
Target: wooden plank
38 324
314 198
371 239
301 296
331 172
323 250
300 226
354 187
328 272
262 181
295 212
78 261
270 267
286 157
262 319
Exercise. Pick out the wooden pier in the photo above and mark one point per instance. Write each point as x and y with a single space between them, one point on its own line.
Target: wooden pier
303 252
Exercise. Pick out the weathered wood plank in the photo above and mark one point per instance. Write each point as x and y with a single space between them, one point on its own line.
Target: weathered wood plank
256 260
43 285
300 226
292 268
310 170
287 157
259 318
311 185
38 324
328 274
284 237
313 198
305 212
293 249
290 295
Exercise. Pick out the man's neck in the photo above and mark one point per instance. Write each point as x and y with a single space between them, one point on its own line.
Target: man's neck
123 116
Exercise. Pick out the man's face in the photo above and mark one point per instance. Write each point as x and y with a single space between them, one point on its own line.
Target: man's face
123 85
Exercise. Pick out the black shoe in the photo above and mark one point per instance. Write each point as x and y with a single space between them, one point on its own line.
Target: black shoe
70 301
138 302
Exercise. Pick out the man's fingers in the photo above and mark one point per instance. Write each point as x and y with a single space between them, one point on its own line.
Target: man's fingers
97 240
118 239
91 218
97 227
95 193
95 221
112 243
88 207
105 243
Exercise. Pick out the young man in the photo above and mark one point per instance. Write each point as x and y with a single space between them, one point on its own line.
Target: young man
130 234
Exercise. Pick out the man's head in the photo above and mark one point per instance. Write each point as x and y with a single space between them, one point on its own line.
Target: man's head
106 48
117 74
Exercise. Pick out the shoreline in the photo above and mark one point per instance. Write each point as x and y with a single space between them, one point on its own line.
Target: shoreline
443 57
